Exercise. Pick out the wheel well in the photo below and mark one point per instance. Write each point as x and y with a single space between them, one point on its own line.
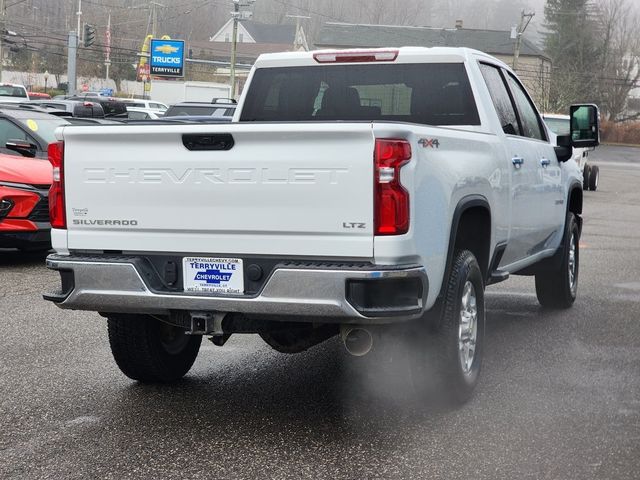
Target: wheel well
474 234
575 201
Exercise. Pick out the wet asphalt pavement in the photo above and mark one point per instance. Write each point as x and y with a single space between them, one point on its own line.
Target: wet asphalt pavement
559 396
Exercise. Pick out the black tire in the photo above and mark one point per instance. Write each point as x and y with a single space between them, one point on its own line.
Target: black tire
440 367
586 172
557 288
594 177
149 350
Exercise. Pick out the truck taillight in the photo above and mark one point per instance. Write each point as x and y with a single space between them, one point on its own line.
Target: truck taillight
56 192
391 203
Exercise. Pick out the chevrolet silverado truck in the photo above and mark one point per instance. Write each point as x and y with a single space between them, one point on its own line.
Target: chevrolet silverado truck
359 193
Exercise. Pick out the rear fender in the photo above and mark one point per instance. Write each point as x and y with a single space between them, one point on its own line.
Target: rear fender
468 202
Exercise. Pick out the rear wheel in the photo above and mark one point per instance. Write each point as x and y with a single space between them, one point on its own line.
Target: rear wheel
558 288
448 356
149 350
594 177
585 176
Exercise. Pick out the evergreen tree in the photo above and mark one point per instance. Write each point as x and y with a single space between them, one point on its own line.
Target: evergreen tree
571 40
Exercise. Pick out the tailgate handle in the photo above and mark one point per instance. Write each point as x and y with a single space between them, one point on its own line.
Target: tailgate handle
207 141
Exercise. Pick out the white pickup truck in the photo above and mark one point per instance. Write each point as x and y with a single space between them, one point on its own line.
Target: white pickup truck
355 193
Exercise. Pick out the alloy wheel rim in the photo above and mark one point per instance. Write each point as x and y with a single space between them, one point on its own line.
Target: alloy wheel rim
572 263
468 327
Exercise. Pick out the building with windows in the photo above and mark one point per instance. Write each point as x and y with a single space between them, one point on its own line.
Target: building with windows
534 66
253 39
289 37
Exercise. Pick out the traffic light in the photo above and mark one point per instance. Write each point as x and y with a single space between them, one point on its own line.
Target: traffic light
89 35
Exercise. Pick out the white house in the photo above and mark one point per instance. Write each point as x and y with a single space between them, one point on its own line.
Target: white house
263 33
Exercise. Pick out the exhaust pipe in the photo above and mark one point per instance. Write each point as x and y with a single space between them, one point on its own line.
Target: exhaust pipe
357 340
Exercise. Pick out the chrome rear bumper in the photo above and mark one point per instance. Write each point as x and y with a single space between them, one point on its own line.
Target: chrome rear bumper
304 293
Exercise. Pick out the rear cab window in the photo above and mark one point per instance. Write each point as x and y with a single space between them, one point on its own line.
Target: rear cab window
423 93
88 111
188 110
114 108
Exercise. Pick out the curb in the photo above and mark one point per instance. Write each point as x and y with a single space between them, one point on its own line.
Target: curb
614 144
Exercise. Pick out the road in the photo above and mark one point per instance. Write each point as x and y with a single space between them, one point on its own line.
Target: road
559 396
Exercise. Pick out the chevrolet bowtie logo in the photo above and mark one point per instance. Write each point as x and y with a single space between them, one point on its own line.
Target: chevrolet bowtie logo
166 49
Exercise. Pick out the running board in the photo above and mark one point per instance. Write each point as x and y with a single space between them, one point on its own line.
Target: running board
497 276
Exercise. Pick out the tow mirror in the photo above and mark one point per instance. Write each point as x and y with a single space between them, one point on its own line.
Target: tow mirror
585 126
23 147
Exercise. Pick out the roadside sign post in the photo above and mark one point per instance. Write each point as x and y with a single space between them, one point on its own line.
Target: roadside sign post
167 58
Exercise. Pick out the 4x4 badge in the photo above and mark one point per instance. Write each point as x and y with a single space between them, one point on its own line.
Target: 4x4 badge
429 142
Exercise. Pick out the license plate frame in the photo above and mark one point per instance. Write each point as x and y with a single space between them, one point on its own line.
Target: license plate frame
213 275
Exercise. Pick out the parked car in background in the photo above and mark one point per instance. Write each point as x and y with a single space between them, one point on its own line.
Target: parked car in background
89 94
111 106
38 96
146 104
33 106
10 93
76 108
561 125
198 119
27 132
136 113
24 203
217 108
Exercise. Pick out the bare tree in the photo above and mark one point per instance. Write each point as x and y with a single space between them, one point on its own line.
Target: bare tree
619 56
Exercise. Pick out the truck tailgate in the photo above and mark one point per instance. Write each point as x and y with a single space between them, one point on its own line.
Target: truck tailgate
281 189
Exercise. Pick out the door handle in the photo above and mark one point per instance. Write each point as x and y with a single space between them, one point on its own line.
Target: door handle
545 162
517 161
207 141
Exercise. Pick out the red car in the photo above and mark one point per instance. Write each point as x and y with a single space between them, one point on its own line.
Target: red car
24 205
38 96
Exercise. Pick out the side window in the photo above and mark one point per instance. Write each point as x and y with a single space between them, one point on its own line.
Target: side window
501 99
138 116
528 115
8 131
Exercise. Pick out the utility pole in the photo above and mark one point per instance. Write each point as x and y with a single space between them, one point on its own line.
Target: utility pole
520 30
73 43
79 14
236 15
3 24
154 22
71 63
154 17
107 48
234 46
299 37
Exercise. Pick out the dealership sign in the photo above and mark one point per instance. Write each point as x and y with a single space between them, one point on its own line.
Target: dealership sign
167 58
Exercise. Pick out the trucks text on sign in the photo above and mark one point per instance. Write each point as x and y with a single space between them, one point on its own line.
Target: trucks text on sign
167 58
